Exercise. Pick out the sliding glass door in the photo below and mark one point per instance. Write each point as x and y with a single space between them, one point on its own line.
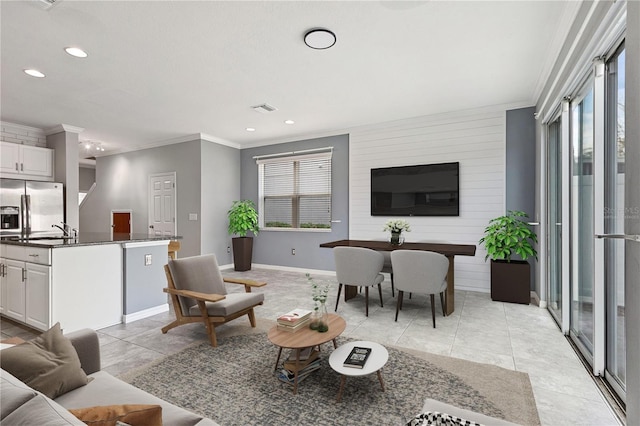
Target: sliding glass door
614 223
582 222
555 172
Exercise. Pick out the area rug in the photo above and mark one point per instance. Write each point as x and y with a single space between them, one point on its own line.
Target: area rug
234 384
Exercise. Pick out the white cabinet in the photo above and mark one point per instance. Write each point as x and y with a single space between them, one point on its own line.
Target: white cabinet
25 161
15 303
26 286
37 291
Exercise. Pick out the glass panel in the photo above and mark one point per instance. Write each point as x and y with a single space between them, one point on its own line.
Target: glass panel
614 220
582 224
278 212
315 212
555 219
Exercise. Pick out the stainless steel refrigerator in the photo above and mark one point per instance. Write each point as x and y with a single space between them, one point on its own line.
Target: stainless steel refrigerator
30 208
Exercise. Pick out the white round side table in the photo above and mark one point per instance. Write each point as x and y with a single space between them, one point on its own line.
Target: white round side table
377 359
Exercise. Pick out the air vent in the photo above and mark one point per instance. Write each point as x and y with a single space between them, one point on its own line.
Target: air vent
48 4
264 108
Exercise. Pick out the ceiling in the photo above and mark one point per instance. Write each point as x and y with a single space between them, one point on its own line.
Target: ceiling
161 70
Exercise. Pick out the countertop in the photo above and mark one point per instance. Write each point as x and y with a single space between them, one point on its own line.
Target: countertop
83 239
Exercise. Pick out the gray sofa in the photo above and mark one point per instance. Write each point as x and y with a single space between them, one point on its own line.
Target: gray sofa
21 405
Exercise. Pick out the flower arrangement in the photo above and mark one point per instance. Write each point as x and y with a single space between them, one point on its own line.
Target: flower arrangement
319 292
397 226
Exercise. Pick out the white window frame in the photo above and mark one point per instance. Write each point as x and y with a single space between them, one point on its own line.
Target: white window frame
279 158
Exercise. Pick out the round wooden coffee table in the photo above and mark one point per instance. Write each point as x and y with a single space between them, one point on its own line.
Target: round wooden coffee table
377 359
305 338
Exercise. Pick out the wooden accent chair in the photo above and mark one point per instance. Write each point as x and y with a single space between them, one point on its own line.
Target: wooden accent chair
173 248
198 293
421 272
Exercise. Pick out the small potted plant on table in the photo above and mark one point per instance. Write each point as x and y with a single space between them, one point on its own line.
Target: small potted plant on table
396 227
503 237
243 218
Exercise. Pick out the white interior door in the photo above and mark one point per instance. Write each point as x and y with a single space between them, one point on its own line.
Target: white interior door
162 204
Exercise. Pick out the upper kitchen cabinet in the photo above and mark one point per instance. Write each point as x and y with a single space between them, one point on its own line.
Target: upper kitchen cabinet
26 162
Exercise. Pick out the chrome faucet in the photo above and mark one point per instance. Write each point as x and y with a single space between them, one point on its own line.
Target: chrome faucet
64 230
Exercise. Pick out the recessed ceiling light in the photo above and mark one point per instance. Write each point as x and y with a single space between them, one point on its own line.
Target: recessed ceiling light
250 129
289 121
319 38
76 51
34 73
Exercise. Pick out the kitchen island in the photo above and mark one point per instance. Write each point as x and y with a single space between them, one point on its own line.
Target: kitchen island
90 281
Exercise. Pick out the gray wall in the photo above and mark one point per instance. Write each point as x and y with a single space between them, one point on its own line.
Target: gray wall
274 247
122 183
86 178
220 187
632 222
65 146
520 170
143 284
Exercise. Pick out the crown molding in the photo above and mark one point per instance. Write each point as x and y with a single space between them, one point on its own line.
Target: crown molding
63 128
34 130
173 141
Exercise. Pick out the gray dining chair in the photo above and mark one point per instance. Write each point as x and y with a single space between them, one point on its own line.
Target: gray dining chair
420 272
360 267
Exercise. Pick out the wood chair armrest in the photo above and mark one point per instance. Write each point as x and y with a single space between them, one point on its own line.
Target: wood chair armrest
205 297
245 282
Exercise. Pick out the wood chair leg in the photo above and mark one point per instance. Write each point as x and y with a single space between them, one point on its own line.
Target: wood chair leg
444 314
366 301
398 304
433 309
380 292
338 299
393 294
252 318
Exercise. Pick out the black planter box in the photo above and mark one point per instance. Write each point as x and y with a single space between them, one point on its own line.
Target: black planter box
242 253
510 281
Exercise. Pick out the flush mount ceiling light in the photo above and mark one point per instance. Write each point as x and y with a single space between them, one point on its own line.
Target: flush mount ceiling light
319 38
289 121
76 51
34 73
250 129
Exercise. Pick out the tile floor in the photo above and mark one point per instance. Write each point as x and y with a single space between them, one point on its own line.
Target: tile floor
517 337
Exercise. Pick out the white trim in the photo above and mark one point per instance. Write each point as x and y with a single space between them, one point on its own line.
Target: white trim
63 128
126 319
599 302
326 152
89 192
173 141
147 243
566 215
286 268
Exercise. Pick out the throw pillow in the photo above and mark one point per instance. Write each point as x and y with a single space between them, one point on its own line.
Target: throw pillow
110 415
49 363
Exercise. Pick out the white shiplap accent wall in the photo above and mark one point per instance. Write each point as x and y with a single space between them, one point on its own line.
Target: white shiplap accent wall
475 139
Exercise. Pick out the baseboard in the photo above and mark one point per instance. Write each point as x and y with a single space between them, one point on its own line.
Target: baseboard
126 319
285 268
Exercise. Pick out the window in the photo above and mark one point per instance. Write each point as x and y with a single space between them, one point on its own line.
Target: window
295 192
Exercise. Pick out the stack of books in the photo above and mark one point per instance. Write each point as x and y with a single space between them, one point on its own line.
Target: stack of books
308 362
294 320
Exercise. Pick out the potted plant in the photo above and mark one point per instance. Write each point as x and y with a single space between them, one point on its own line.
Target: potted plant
243 218
396 227
504 237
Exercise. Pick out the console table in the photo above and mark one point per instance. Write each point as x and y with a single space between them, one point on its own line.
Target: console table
449 250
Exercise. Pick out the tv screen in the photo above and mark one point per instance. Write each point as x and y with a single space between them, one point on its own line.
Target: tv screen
423 190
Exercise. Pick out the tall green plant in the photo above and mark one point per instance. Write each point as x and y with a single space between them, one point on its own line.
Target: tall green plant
507 235
243 218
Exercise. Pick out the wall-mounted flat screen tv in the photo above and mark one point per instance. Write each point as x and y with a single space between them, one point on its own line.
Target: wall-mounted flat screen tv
422 190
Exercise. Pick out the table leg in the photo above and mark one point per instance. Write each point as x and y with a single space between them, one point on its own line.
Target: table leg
335 345
350 291
380 378
343 380
295 374
278 360
449 295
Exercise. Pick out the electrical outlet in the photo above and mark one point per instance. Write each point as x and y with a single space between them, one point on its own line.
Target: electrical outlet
293 252
228 249
147 259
